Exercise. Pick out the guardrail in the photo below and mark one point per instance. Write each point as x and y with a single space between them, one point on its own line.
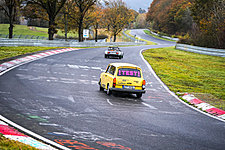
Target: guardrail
165 37
201 50
57 43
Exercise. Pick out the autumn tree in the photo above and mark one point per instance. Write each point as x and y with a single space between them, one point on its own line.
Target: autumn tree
11 9
209 17
170 16
117 17
79 12
96 18
141 21
52 8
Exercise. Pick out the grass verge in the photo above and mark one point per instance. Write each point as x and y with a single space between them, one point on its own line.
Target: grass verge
8 52
181 71
6 144
149 33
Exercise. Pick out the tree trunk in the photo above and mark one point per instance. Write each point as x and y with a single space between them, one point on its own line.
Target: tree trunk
66 24
51 28
114 39
80 30
10 31
96 35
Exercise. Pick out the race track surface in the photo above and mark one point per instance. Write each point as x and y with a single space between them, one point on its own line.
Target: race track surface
58 97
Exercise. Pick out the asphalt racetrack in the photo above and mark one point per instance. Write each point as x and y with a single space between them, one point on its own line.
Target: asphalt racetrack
58 98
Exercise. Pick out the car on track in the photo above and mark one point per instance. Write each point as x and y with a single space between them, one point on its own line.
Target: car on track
113 51
122 77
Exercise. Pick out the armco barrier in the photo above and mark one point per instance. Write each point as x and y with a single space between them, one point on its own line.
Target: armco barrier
165 37
201 50
56 43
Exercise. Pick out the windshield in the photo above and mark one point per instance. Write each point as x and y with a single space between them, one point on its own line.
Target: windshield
129 72
113 49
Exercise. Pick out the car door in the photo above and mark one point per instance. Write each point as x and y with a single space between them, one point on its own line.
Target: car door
110 76
104 77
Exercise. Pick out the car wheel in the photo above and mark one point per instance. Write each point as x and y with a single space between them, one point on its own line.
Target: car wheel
108 90
105 56
100 87
139 95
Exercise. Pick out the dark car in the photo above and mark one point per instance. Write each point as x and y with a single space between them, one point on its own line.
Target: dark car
113 52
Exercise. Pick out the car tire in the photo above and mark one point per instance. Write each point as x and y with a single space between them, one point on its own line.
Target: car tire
100 87
105 56
139 95
108 92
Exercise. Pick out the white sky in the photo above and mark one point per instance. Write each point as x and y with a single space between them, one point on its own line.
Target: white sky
136 4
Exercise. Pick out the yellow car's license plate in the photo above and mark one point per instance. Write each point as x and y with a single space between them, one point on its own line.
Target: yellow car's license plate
128 87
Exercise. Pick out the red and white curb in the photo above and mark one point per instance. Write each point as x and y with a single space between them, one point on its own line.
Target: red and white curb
11 133
7 65
204 106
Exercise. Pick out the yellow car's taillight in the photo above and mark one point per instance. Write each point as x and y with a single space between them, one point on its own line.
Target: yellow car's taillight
143 84
114 82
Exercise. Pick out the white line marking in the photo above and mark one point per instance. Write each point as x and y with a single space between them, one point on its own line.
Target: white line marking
150 106
70 98
109 102
33 134
170 92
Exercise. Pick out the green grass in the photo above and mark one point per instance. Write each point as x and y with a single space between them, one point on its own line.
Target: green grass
189 72
21 30
148 42
8 52
149 33
6 144
70 34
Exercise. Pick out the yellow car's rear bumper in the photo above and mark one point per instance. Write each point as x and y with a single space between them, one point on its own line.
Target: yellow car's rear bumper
127 90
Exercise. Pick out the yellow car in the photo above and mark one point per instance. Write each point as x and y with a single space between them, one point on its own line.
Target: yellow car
122 77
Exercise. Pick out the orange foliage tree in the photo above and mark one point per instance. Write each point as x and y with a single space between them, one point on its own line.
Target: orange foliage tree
117 17
170 16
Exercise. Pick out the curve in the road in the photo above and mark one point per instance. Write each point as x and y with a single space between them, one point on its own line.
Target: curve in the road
58 98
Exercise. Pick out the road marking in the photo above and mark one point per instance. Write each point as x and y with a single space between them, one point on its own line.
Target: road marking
109 102
151 107
71 98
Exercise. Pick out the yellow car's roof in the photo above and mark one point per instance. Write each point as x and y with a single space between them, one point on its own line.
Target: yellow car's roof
124 65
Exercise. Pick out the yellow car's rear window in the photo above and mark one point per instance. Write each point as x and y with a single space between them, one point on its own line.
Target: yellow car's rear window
129 72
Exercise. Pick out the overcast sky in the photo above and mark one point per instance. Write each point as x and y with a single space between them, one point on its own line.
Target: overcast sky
136 4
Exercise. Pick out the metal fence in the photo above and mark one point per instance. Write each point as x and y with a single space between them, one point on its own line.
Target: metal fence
165 37
23 36
201 50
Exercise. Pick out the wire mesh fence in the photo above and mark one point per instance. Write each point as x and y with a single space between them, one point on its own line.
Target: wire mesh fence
24 36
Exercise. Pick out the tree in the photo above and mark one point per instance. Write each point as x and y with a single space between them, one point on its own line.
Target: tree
52 8
117 16
170 16
96 19
209 17
78 13
11 9
141 21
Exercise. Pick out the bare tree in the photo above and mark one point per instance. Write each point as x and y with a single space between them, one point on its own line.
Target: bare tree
10 8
